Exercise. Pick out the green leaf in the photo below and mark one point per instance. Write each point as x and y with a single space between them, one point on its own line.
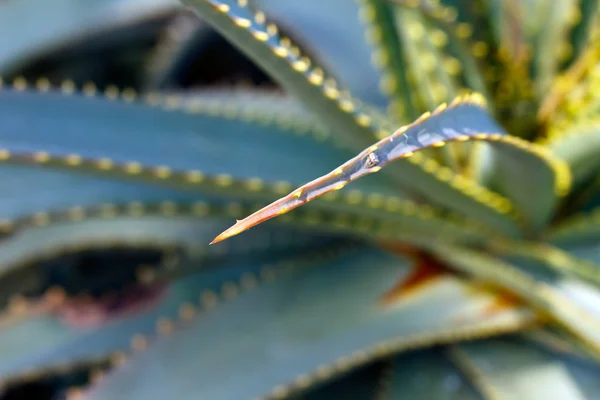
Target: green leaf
547 258
589 12
551 35
56 197
389 56
264 45
125 140
461 49
261 42
168 229
464 120
512 369
66 334
292 334
579 146
254 106
561 299
577 230
536 193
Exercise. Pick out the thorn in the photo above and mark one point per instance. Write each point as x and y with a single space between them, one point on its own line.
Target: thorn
226 234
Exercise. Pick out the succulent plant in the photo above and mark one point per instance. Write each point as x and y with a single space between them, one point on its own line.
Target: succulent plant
463 264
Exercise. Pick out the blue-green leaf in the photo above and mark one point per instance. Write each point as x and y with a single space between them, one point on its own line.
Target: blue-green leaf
563 299
128 141
40 341
37 259
513 369
388 55
319 322
579 146
464 120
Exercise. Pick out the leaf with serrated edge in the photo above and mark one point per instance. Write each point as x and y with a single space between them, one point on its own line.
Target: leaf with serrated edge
25 255
388 56
463 120
549 294
511 368
125 140
345 117
291 332
46 340
579 146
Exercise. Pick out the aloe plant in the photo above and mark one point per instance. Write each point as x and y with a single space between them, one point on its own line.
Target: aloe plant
451 150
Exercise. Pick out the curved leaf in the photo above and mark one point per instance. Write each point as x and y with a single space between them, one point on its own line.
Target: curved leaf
578 230
545 257
348 119
512 369
335 108
39 259
460 47
127 141
319 322
589 13
56 197
42 341
462 121
579 146
389 57
546 293
552 34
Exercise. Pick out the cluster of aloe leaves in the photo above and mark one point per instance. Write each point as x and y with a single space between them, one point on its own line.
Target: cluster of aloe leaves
132 132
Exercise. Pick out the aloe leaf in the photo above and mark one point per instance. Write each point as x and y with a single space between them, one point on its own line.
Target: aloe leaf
578 146
545 257
580 34
573 99
64 23
462 121
42 341
105 137
55 197
552 34
293 335
38 259
295 73
578 230
546 293
559 342
537 194
263 44
426 375
388 55
332 37
255 106
442 18
63 240
513 369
